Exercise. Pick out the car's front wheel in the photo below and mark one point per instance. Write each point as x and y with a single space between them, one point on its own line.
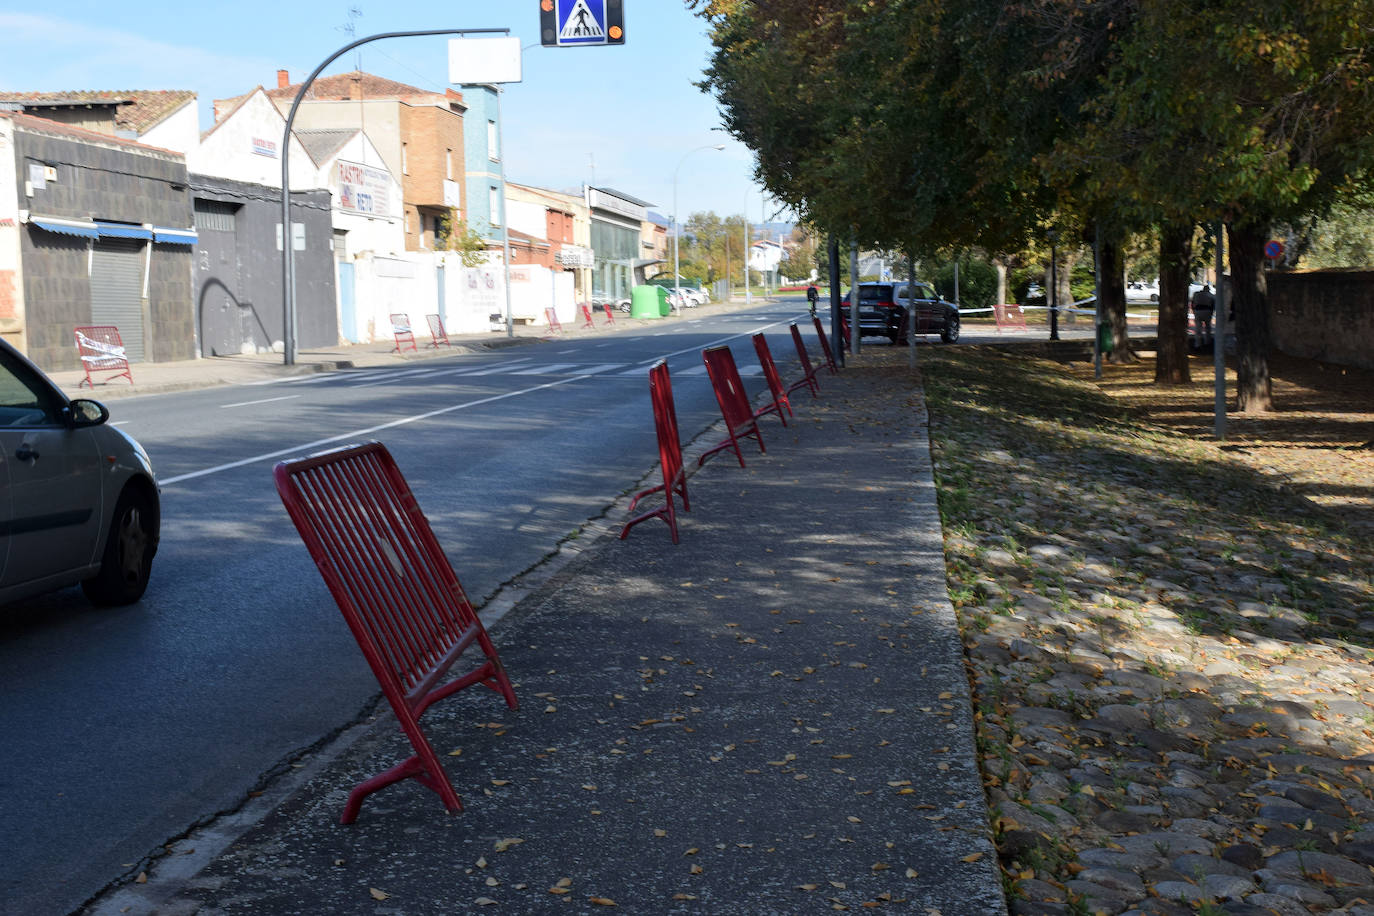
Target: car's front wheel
950 334
128 558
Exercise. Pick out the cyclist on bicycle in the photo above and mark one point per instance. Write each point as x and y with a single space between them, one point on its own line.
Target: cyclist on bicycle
811 296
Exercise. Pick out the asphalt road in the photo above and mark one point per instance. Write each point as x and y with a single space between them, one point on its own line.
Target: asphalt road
124 728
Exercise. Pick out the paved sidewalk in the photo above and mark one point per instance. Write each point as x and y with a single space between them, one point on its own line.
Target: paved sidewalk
770 717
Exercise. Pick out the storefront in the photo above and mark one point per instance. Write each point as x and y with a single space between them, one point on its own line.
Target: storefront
615 225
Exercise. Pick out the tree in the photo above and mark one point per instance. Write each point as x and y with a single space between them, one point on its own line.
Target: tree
456 235
993 121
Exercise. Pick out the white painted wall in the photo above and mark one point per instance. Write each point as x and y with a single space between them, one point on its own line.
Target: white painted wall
227 151
179 131
382 232
765 256
11 264
527 217
380 118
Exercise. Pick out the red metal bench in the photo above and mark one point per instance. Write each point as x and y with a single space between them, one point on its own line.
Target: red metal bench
396 590
669 454
808 379
587 315
825 346
610 314
437 335
775 386
740 422
102 350
405 337
552 318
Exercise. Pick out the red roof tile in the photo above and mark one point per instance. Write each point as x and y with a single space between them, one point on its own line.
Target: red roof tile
136 110
340 87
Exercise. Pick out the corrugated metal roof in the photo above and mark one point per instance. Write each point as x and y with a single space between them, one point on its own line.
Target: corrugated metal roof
321 144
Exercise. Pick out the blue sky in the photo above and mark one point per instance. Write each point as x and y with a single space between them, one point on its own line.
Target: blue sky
626 117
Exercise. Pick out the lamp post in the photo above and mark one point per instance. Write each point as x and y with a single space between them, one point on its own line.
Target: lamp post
288 270
677 278
1054 285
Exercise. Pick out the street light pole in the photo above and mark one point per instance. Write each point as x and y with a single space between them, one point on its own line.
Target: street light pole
1054 286
677 277
288 267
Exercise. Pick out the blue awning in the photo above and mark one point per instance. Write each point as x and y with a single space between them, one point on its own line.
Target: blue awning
82 228
122 231
174 236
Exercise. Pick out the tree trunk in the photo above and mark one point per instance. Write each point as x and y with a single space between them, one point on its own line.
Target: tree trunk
1247 299
1113 283
1068 258
1001 267
1175 261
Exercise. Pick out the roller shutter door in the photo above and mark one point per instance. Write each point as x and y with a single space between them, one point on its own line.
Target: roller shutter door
117 290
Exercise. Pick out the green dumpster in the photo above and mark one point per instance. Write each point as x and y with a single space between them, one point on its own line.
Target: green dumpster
648 302
1105 342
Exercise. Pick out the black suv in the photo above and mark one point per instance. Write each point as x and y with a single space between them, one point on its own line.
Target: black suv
883 312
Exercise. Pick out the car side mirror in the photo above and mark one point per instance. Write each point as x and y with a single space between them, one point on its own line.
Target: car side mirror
86 412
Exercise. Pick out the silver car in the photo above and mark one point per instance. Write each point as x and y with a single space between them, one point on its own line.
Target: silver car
78 498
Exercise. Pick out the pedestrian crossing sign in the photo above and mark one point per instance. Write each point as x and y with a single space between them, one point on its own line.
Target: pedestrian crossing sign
568 23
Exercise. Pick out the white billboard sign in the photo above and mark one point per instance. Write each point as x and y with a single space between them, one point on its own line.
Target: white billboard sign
484 60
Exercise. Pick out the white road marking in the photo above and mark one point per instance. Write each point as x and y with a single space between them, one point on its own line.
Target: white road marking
543 370
285 397
367 431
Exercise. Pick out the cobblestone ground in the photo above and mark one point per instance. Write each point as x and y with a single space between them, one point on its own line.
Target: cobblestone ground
1169 639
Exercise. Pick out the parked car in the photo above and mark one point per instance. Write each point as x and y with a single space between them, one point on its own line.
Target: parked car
1140 291
691 298
883 311
78 501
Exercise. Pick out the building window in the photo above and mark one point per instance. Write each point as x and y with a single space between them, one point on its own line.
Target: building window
410 227
405 161
493 151
448 164
214 215
494 201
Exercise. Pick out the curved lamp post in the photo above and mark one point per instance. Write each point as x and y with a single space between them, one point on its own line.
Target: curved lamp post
288 268
677 278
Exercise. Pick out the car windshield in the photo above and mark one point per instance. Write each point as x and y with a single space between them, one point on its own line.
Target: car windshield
875 294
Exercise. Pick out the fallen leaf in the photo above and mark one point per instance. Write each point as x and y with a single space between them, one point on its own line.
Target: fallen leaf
503 844
972 857
484 901
378 895
602 901
912 873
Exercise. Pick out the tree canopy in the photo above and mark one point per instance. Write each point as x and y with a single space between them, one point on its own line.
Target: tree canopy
926 126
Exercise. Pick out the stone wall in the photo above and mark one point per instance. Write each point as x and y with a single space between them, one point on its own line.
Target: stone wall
1326 315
